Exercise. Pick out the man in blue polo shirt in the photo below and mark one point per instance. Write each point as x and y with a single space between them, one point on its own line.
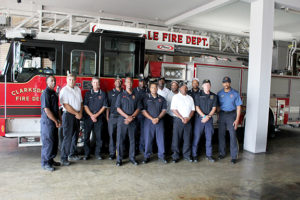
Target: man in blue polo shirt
206 106
140 93
128 106
112 116
155 107
50 122
95 103
230 110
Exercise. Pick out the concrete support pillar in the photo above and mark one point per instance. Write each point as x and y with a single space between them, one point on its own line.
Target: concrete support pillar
259 75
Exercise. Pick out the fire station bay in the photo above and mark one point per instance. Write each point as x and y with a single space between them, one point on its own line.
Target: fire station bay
161 99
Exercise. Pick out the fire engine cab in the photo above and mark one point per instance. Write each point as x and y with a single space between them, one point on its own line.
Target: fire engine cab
29 61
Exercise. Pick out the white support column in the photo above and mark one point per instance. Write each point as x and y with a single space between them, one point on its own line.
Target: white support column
259 75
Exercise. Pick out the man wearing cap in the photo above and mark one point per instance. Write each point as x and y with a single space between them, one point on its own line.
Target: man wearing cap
183 107
195 88
95 103
71 99
128 107
140 93
155 107
206 105
162 90
112 116
169 117
230 110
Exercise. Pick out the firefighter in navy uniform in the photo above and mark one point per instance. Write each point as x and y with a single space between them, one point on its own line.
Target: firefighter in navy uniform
112 116
128 106
206 106
195 88
230 110
50 122
95 103
193 93
140 93
155 107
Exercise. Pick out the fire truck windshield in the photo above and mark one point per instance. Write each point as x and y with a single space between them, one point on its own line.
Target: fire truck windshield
32 61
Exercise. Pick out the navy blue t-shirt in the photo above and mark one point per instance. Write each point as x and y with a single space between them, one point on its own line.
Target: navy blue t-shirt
128 102
112 98
206 102
49 99
154 106
95 100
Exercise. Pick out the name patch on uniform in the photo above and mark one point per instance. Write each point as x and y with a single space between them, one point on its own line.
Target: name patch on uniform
159 100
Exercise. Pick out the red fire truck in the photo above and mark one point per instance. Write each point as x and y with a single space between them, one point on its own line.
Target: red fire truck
106 54
29 61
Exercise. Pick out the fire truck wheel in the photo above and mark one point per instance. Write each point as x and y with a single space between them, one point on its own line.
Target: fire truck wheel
271 126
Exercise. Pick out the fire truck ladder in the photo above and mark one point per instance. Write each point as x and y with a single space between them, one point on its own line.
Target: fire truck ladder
52 25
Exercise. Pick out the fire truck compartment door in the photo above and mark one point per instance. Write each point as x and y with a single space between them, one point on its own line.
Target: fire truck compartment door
17 127
294 113
216 74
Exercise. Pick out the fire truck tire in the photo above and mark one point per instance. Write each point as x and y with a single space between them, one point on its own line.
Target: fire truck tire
271 128
271 124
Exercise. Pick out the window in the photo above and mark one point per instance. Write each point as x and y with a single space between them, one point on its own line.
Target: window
33 60
119 57
83 63
116 63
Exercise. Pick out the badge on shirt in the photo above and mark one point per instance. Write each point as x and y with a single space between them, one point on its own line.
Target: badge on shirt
211 97
159 100
222 95
133 97
99 97
231 96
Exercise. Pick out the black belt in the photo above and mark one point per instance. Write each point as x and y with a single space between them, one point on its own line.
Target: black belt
228 112
114 115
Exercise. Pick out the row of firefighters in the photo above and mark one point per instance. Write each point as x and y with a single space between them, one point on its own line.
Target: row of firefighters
171 116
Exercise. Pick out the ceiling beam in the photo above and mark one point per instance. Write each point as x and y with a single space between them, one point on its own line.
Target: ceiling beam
204 8
295 4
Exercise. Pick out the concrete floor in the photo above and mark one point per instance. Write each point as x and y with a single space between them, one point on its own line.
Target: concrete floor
273 175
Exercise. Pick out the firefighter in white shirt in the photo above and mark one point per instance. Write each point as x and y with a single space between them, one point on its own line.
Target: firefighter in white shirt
183 107
71 100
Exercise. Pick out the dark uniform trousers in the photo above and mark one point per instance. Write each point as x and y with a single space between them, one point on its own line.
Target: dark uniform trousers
181 130
140 138
112 130
49 136
151 131
199 128
226 120
122 131
168 121
97 130
71 128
